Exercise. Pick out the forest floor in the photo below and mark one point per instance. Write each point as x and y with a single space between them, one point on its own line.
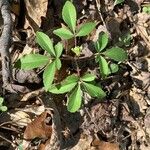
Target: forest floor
39 120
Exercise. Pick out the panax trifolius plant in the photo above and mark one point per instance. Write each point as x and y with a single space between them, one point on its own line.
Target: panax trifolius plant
74 85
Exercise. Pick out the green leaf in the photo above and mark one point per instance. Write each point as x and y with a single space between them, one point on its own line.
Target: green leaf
58 63
72 78
94 91
62 88
69 15
32 61
45 42
116 53
20 146
145 9
58 49
77 50
88 77
3 108
75 100
48 75
86 28
65 86
1 101
118 2
63 33
101 42
113 68
103 66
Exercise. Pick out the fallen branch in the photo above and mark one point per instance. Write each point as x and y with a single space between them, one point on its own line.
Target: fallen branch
5 42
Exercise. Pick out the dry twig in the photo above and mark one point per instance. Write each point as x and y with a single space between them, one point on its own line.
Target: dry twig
98 5
5 43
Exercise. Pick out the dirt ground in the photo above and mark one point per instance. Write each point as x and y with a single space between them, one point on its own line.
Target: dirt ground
36 119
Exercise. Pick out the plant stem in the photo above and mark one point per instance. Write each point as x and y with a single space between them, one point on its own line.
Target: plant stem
76 58
66 47
67 57
78 69
75 41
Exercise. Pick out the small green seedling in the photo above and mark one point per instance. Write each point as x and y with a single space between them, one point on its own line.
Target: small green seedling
2 107
77 50
146 9
74 85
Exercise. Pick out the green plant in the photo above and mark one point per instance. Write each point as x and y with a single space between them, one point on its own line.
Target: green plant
146 9
2 107
114 53
51 61
76 84
118 2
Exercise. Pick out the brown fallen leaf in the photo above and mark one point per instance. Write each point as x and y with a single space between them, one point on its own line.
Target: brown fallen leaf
35 10
102 145
40 127
15 7
42 146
